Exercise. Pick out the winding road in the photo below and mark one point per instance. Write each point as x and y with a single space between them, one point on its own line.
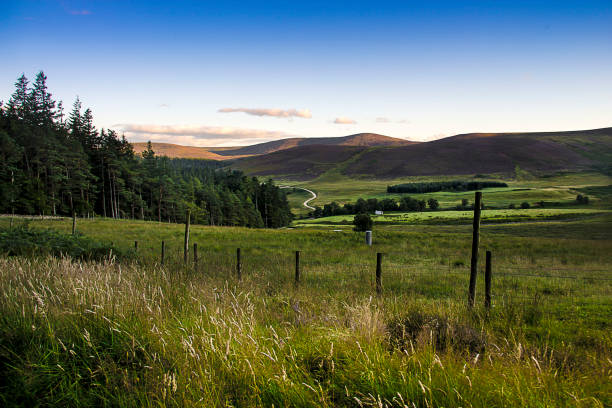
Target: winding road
314 195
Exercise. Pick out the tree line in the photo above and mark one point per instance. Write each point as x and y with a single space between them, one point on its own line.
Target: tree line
369 206
431 187
57 164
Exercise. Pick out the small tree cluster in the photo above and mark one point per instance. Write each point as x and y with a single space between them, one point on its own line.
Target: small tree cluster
362 222
430 187
583 200
372 204
465 205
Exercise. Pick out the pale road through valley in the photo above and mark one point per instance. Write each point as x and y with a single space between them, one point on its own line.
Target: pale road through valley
314 195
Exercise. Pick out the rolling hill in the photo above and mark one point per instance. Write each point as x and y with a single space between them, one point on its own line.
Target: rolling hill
359 139
179 151
462 154
228 153
298 163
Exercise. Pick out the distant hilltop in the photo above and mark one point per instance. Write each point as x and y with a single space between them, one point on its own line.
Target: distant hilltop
379 156
227 153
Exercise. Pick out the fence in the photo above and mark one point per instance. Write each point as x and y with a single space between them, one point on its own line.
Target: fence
500 284
389 274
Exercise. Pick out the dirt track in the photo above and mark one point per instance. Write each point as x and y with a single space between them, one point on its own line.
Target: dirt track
314 195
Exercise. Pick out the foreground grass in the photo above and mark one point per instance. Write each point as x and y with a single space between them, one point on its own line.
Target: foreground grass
81 334
108 334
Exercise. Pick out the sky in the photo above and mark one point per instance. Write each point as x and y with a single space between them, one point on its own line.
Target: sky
226 73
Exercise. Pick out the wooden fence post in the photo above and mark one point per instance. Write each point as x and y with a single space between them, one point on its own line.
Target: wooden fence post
186 248
195 254
297 267
163 252
475 242
238 265
73 223
379 273
136 246
488 272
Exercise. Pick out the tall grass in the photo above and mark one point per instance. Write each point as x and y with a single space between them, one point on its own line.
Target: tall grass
78 333
82 334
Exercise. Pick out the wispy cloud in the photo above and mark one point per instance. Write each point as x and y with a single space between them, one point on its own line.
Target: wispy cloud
344 121
388 120
197 135
279 113
80 12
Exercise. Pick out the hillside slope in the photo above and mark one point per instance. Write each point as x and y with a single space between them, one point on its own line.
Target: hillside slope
359 139
462 154
298 163
179 151
228 153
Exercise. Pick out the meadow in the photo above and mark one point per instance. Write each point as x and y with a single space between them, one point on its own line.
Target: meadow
560 188
140 333
462 217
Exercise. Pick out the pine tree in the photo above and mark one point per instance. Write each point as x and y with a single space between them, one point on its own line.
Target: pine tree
75 120
42 106
18 103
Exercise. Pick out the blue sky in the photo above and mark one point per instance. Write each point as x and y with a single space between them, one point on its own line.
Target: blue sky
235 73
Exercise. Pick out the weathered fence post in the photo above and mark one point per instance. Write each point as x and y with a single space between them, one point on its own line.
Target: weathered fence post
297 267
186 248
487 301
379 273
195 254
73 223
163 252
238 265
475 242
136 246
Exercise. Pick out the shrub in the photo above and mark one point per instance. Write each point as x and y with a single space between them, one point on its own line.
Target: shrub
580 199
362 222
433 204
525 205
24 241
421 328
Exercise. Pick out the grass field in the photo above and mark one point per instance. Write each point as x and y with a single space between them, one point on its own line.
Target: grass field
296 200
464 217
559 188
138 333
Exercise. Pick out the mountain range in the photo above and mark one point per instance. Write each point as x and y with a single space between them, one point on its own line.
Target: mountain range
379 156
228 153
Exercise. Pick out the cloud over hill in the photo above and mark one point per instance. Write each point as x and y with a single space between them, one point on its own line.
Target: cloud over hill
197 135
279 113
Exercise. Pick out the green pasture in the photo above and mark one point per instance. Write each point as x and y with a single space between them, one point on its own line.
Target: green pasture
559 188
445 217
137 333
296 200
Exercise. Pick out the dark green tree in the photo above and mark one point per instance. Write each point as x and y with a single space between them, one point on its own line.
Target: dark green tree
362 222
